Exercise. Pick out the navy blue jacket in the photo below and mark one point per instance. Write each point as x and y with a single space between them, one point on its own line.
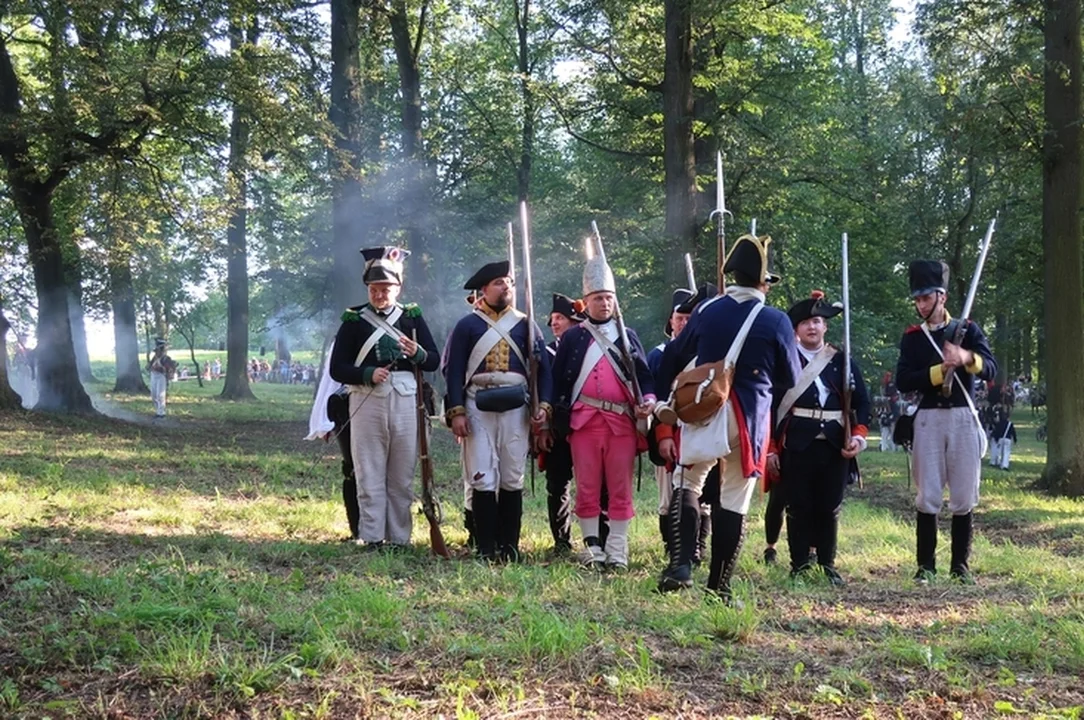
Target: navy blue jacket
352 336
569 361
766 368
918 356
467 332
799 432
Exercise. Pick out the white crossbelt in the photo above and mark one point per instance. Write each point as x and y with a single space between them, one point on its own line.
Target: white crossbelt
817 414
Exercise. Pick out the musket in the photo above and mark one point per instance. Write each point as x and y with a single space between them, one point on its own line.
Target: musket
429 503
622 331
965 315
753 227
848 376
719 213
528 298
512 262
690 277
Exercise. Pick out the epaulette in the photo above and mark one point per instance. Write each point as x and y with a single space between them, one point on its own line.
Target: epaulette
412 310
913 328
352 314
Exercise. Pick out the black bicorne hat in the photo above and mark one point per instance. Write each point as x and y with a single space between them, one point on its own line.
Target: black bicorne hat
813 306
704 292
928 276
571 309
749 256
487 274
384 264
160 342
677 299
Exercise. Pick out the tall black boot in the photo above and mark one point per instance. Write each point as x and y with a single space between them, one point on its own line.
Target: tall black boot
665 532
560 522
486 524
962 530
703 532
827 540
798 539
510 510
684 518
925 546
728 535
468 523
350 500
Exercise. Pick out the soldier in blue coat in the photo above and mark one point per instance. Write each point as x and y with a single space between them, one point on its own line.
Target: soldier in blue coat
949 440
489 355
765 369
814 458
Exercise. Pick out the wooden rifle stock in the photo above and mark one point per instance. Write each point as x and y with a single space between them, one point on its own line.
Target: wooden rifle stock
429 503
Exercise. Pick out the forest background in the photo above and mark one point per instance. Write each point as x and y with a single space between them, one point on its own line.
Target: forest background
209 170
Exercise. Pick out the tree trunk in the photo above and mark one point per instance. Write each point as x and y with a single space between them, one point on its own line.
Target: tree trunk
678 158
1063 285
73 263
1029 359
9 399
345 158
125 338
236 386
416 205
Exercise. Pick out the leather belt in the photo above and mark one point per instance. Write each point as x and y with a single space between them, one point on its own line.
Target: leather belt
618 408
818 414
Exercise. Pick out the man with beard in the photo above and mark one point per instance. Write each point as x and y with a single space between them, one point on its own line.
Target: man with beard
593 388
765 367
376 350
949 441
487 372
814 458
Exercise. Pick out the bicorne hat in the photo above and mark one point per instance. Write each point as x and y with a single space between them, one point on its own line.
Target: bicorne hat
704 292
928 276
749 256
571 309
677 299
384 264
813 306
487 274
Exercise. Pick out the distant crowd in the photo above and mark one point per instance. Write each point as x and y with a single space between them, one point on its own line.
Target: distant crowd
282 372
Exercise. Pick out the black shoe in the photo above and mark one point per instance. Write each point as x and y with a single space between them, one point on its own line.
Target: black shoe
924 576
833 576
770 556
674 578
562 549
962 575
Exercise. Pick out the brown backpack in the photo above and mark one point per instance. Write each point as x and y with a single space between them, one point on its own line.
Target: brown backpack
700 392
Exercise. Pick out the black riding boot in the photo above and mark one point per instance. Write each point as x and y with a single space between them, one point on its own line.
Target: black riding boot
925 546
350 500
962 530
664 531
486 524
510 510
827 540
728 535
798 537
703 532
684 516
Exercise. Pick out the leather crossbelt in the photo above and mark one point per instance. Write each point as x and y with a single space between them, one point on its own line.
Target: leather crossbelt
818 414
614 407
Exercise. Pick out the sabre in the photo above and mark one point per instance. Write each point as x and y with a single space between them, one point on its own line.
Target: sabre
690 277
719 213
965 315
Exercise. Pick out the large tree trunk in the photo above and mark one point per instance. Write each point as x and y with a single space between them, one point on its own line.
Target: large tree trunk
9 399
416 206
345 159
125 337
1063 285
73 263
679 161
236 386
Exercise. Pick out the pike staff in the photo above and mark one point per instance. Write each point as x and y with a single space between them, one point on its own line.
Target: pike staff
719 213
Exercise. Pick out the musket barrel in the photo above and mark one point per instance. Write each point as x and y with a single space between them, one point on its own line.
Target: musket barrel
849 381
973 290
512 260
689 275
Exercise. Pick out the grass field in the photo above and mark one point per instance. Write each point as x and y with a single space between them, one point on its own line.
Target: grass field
191 568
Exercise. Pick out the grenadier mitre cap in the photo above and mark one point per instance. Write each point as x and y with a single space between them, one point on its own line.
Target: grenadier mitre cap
813 306
928 276
487 274
384 264
598 277
749 256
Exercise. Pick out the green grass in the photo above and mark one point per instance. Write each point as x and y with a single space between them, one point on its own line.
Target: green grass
192 569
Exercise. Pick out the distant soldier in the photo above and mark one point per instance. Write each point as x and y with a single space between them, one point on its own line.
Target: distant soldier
766 366
948 437
814 458
487 371
375 353
1001 440
599 412
161 367
565 313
